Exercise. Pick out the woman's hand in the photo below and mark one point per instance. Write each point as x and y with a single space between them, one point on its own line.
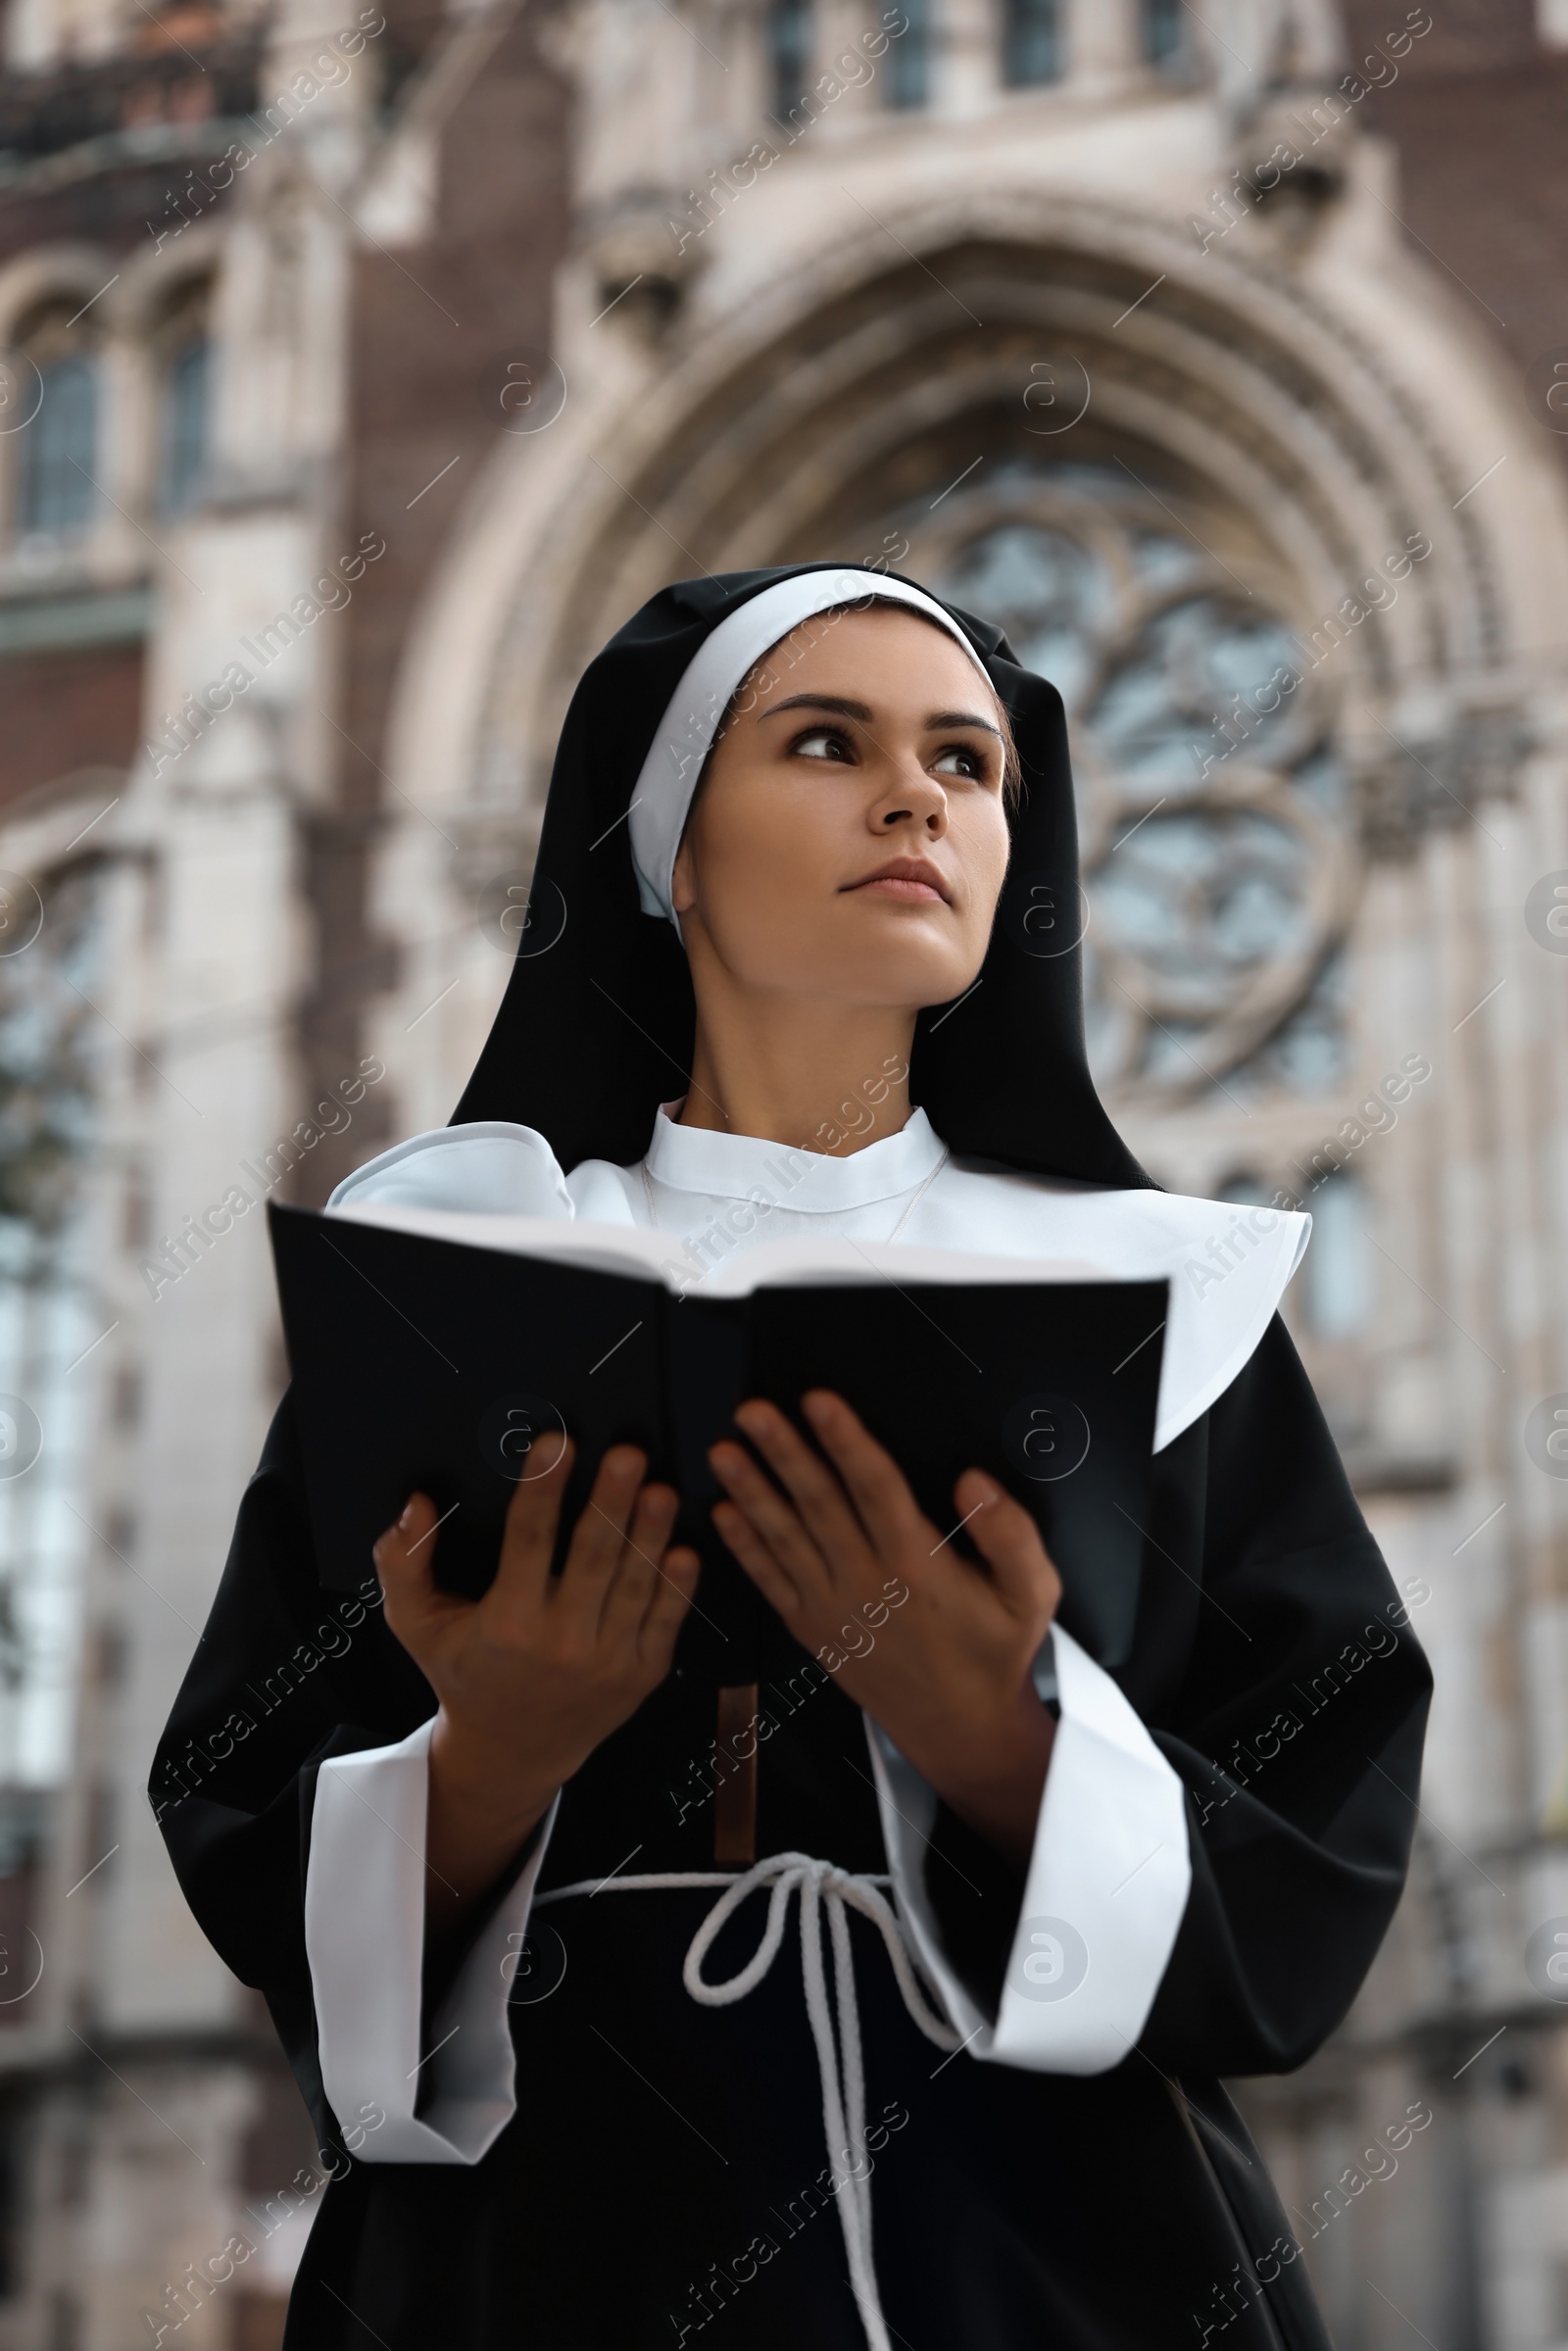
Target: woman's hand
949 1679
535 1675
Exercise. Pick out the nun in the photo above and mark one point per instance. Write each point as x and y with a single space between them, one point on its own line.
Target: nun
788 1933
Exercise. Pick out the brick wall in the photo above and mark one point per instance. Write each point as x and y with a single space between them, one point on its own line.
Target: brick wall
64 710
1479 116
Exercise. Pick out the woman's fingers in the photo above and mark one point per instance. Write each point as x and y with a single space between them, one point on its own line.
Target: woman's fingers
651 1587
771 1516
639 1564
404 1559
781 1593
1009 1540
532 1517
599 1535
812 1484
672 1592
877 1487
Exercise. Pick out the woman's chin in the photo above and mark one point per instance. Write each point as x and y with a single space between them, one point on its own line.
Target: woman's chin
920 943
903 984
901 960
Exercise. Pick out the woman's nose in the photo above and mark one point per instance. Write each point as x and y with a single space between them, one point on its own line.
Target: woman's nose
917 798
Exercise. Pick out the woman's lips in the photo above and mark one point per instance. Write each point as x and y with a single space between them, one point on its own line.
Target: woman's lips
913 880
895 885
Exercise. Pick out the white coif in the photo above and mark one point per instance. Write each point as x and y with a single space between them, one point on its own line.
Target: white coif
820 1886
686 732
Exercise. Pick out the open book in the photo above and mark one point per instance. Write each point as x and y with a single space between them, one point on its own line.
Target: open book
432 1349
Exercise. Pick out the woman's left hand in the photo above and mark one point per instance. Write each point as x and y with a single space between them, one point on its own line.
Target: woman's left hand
947 1676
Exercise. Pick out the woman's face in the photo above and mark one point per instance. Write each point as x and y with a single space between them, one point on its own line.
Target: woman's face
850 840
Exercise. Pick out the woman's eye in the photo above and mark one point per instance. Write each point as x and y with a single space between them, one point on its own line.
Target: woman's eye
821 743
960 759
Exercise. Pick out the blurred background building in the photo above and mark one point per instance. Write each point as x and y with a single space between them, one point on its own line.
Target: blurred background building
362 370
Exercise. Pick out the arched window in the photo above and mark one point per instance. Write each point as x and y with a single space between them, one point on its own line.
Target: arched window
1162 32
1031 42
51 1060
909 57
789 50
57 453
1337 1270
182 426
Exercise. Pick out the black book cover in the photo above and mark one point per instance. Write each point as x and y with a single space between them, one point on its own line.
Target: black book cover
436 1364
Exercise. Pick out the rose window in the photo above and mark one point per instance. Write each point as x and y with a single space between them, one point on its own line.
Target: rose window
1215 855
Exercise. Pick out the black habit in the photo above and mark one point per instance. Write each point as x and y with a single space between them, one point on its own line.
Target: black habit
662 2178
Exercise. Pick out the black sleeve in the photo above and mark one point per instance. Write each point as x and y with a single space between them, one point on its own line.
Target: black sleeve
1296 1729
285 1675
1277 1673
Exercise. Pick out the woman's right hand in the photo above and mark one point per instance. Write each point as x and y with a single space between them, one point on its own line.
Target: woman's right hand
537 1674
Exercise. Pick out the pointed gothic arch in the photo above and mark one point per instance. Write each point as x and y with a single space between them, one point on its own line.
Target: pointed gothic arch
832 405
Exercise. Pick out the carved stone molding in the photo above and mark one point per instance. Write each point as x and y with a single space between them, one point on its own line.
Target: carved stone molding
639 263
1435 780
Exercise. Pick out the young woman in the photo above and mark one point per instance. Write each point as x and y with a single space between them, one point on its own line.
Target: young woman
514 1874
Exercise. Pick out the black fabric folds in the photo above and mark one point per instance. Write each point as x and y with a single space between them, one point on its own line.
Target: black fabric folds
1275 1666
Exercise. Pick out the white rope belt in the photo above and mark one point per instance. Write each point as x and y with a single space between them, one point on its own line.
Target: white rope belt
839 2058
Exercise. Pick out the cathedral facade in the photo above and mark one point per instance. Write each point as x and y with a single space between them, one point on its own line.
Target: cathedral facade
363 369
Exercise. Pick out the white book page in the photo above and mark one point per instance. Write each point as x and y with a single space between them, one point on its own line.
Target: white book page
626 1249
634 1251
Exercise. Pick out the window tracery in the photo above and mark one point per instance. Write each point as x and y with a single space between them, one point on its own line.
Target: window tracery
1215 855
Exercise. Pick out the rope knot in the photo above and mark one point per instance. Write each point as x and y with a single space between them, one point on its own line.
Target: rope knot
823 1887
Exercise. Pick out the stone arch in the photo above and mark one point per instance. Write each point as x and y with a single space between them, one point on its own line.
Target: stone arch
49 273
794 410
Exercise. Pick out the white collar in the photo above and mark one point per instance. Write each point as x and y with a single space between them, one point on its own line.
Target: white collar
737 1166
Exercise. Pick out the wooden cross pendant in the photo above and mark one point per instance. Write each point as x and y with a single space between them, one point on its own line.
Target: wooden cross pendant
735 1777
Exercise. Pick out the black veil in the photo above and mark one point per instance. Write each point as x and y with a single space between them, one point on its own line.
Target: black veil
596 1027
